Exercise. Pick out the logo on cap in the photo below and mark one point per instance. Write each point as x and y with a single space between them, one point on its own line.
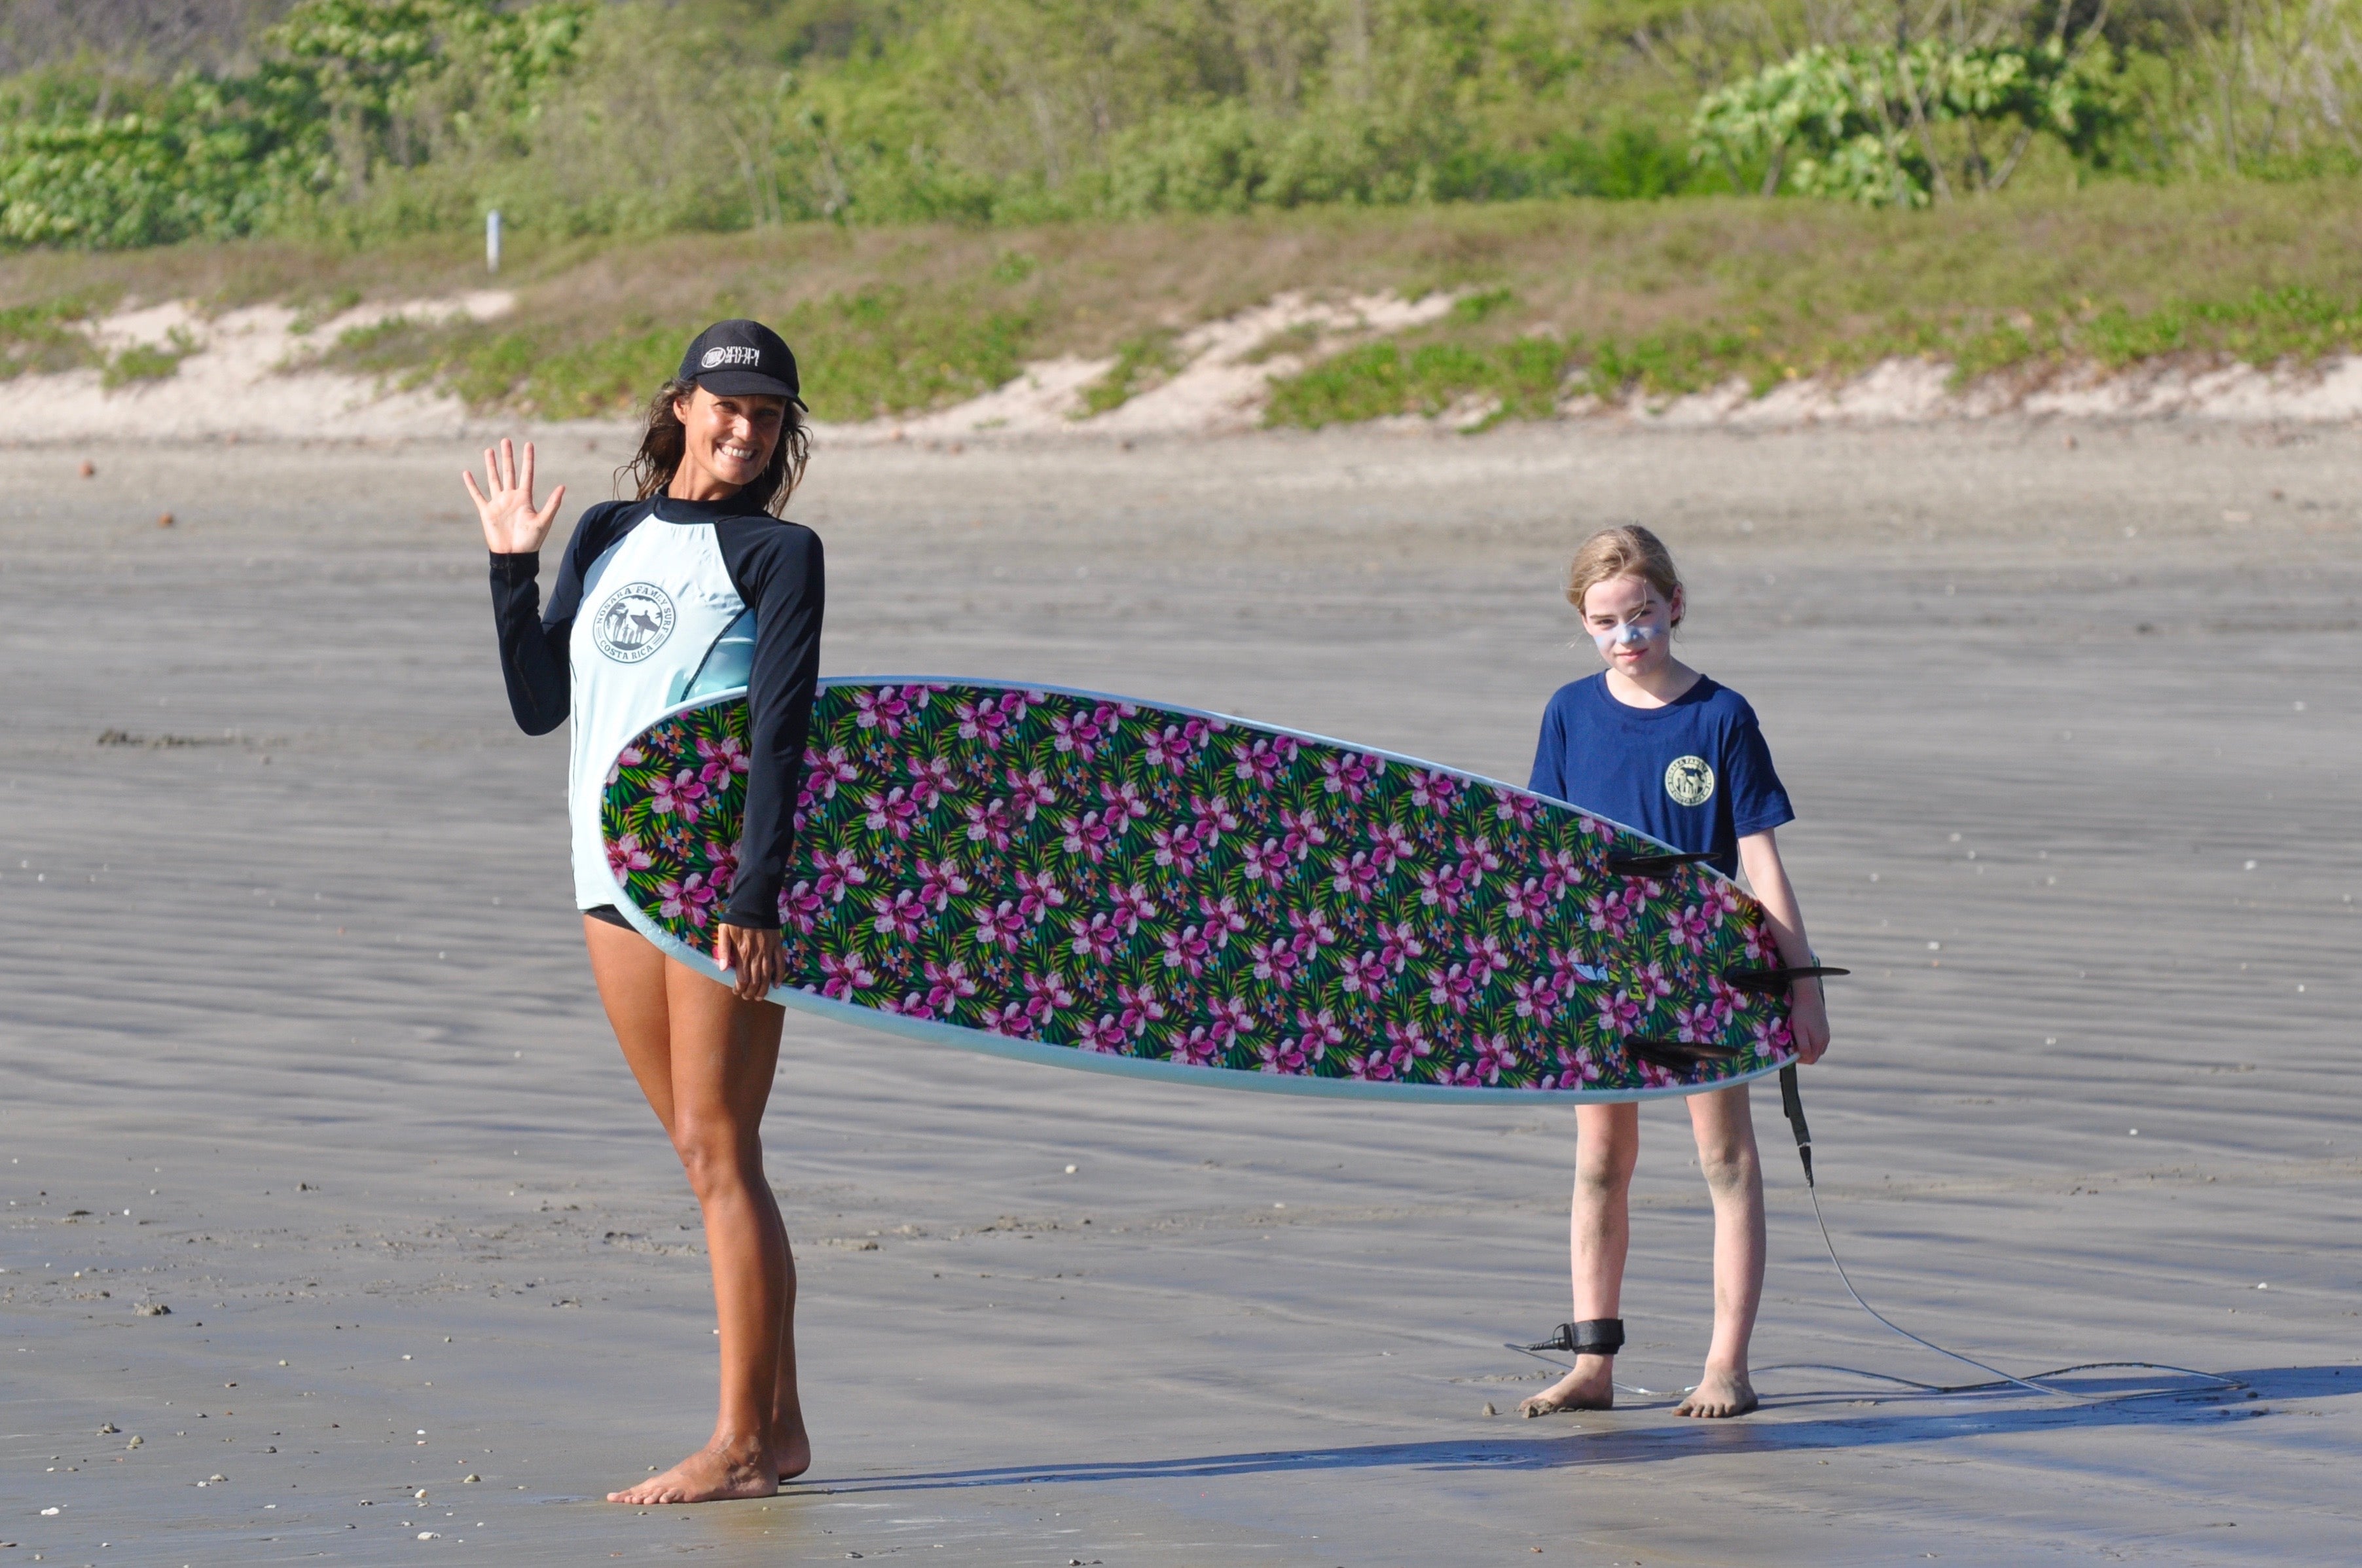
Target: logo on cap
732 354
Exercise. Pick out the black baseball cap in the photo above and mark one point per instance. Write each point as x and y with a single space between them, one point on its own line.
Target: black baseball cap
737 358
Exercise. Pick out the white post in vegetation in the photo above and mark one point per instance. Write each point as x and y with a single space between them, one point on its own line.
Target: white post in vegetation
493 240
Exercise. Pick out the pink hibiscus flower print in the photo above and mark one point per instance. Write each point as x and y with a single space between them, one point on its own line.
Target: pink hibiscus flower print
1127 907
883 709
1031 791
1454 987
1097 939
891 810
940 882
723 758
1618 1013
1267 861
1285 1056
1197 1048
800 907
1537 999
900 917
1560 871
991 720
824 771
1224 918
1001 926
1037 894
1351 775
1357 876
1176 847
987 822
1477 857
1527 901
1444 887
1276 962
1520 811
1361 977
948 985
1232 1017
1655 985
624 856
1186 950
1689 928
721 868
1303 832
683 795
1103 1034
1047 995
1174 747
929 777
1215 817
1430 791
844 974
689 898
1398 945
1141 1009
1263 761
1390 846
1086 835
839 871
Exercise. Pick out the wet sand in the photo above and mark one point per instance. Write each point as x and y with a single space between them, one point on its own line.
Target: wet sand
292 976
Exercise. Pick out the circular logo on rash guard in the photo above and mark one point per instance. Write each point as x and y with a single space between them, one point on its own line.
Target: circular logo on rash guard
1689 780
634 622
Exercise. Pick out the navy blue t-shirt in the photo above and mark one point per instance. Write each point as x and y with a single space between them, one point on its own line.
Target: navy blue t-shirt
1694 773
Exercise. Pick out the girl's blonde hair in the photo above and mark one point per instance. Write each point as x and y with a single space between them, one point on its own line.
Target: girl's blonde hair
1630 551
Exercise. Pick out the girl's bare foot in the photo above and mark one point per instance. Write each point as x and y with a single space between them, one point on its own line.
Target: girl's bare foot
794 1450
1590 1387
1717 1394
716 1473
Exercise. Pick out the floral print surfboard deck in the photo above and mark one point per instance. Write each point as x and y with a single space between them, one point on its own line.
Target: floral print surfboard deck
1078 879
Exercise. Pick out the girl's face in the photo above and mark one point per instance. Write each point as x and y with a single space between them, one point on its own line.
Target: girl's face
1632 623
730 439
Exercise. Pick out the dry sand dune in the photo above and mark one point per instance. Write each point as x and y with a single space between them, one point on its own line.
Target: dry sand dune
297 1038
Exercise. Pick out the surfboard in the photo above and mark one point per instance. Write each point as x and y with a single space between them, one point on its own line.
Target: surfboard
1089 881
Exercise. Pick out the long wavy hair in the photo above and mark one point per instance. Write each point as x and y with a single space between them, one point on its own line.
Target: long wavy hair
664 440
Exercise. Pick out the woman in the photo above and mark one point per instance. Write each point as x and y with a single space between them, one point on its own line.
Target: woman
652 603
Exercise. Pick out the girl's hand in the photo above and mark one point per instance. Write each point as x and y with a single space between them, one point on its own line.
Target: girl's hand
752 957
1808 1021
512 524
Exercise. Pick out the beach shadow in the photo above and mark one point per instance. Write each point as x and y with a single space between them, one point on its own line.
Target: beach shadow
2172 1402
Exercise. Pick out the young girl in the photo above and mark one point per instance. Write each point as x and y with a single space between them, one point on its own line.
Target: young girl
1654 745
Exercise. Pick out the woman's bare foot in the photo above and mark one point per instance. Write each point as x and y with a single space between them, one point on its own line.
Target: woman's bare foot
794 1449
1590 1387
1717 1394
716 1473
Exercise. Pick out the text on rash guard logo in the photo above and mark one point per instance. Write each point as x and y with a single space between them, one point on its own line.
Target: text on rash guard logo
634 622
1689 780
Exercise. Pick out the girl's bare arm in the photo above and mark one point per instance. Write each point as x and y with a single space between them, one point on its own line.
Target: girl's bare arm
1758 857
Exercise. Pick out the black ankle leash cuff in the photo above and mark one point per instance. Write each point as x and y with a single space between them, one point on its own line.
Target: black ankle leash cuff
1594 1336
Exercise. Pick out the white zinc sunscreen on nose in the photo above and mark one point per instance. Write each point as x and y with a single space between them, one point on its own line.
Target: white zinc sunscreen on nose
1631 633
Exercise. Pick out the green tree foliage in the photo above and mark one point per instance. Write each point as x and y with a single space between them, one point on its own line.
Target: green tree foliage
1906 126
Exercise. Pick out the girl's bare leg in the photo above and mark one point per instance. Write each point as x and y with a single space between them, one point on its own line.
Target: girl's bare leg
705 1061
1734 1175
1599 1231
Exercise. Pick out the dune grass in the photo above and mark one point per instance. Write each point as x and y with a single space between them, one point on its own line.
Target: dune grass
1556 297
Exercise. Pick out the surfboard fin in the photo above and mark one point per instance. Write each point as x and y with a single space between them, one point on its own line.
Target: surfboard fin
1678 1055
1629 863
1764 982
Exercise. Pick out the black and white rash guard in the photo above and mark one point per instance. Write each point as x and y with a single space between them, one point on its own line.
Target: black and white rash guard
651 607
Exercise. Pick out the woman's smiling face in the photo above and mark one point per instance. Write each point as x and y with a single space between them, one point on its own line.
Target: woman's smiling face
1632 623
728 440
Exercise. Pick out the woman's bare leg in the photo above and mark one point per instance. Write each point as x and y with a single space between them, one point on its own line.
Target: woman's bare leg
1725 1126
1599 1233
705 1061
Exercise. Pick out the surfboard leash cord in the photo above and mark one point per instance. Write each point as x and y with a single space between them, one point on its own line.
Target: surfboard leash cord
1792 1104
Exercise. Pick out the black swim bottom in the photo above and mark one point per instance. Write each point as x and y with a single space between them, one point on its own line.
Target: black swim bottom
610 914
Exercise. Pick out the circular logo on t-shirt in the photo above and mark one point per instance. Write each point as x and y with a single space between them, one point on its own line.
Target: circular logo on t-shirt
1689 780
633 623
